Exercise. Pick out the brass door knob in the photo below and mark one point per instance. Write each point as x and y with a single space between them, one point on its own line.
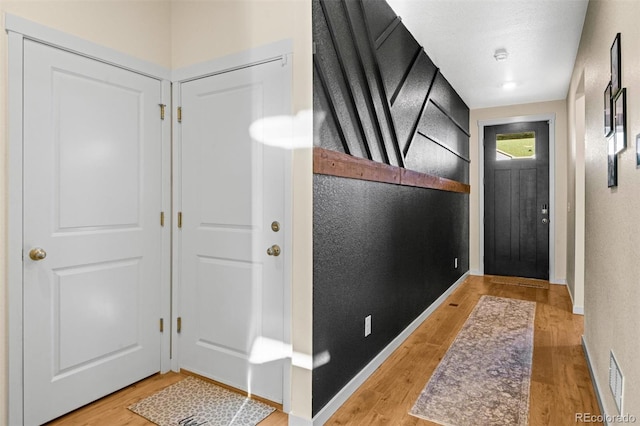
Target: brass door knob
37 254
274 250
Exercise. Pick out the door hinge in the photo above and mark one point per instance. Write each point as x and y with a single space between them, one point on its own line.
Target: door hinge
179 328
162 107
161 325
179 219
162 219
179 114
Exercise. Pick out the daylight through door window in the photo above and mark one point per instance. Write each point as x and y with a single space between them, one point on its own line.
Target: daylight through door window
516 146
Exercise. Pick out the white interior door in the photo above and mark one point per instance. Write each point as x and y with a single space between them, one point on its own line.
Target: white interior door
232 190
92 198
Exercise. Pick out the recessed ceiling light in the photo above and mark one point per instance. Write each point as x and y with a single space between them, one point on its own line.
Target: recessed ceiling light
501 55
509 85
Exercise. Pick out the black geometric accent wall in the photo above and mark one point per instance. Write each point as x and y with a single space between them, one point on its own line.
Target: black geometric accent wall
378 96
380 249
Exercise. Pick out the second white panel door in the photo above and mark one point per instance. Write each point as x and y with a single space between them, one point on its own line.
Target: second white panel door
232 190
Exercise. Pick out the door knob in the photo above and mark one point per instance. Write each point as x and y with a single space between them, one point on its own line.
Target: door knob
274 250
37 254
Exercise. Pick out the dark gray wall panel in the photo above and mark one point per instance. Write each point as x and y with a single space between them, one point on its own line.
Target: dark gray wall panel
437 126
406 110
374 82
344 43
330 73
396 56
379 16
380 250
441 162
324 121
446 97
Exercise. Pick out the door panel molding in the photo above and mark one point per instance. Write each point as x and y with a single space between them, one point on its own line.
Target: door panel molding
551 118
19 30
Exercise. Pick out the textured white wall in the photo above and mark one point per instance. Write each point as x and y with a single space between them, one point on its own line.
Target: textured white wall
612 228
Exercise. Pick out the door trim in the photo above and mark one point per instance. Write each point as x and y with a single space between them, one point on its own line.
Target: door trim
18 30
277 51
551 118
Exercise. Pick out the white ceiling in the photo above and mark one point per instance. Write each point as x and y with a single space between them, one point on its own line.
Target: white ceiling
461 37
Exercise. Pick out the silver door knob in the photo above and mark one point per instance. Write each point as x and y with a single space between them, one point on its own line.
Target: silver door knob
545 220
37 254
274 250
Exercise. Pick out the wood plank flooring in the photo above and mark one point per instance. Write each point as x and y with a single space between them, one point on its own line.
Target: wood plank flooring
560 381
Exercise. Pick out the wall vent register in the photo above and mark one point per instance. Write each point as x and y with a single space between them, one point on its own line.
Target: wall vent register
616 381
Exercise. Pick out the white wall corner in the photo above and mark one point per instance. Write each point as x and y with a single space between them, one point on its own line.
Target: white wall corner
578 310
476 272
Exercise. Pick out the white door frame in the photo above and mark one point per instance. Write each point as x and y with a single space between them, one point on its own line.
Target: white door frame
278 51
20 29
551 118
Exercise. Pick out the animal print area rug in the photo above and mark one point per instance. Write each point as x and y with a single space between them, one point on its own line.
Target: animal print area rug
484 377
194 402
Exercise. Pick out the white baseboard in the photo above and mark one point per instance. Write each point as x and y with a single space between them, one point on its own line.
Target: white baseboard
476 272
299 421
594 379
560 281
336 402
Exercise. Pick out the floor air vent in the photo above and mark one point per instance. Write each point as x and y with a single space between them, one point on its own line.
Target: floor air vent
615 381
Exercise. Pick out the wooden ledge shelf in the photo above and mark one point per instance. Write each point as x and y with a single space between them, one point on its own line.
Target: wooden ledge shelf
333 163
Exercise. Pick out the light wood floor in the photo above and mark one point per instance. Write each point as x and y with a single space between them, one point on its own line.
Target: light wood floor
560 381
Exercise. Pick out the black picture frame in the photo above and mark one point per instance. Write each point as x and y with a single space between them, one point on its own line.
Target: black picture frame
612 164
620 120
616 69
608 106
638 150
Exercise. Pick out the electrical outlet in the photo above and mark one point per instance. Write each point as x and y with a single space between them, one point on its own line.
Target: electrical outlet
367 325
455 262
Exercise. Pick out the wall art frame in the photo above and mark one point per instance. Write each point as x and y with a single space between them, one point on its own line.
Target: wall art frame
638 150
616 69
620 120
608 107
612 164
